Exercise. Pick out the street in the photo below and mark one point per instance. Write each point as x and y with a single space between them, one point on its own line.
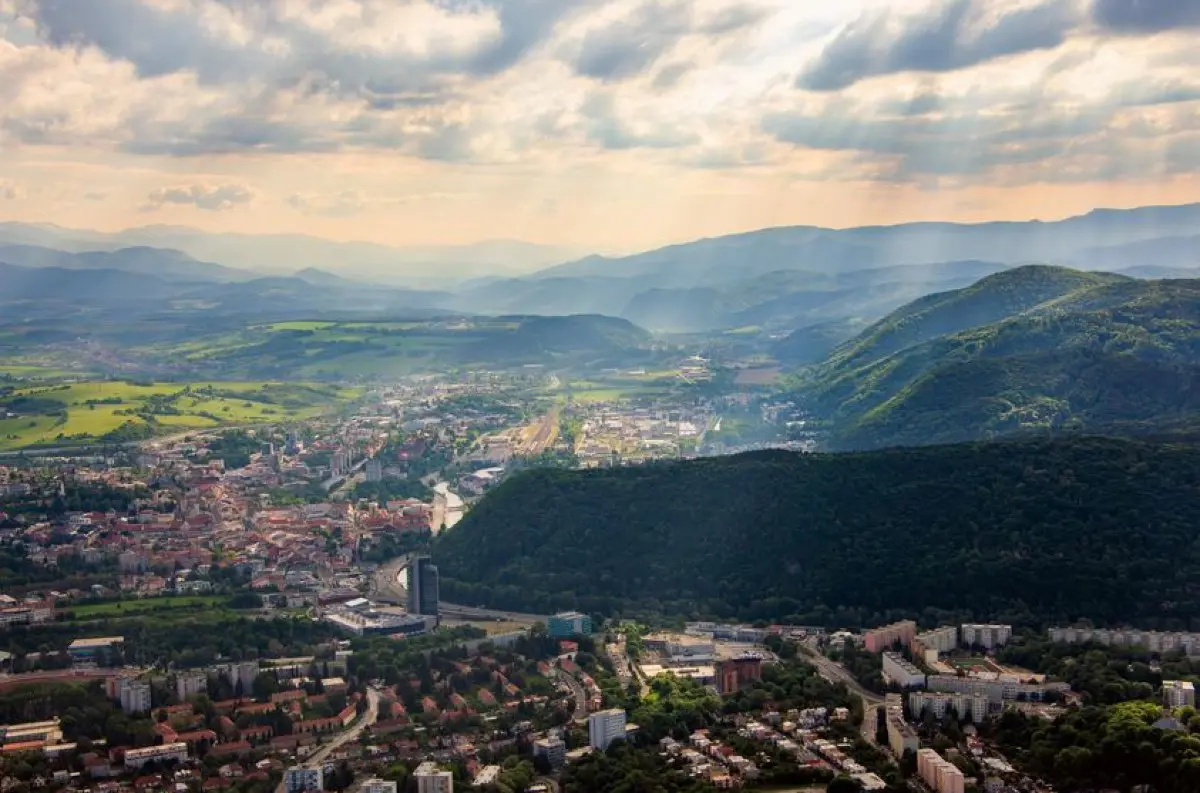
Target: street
366 720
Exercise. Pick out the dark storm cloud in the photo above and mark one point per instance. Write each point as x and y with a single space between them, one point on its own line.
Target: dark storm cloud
1146 16
953 35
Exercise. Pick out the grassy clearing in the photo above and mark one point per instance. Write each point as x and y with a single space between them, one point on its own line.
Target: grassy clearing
130 608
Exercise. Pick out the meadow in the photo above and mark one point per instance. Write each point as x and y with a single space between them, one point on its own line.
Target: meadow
81 412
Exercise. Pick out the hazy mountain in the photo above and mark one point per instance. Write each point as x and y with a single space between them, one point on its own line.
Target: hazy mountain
1139 233
288 253
170 265
1035 349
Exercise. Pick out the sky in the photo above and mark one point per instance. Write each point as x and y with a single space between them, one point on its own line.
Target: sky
610 124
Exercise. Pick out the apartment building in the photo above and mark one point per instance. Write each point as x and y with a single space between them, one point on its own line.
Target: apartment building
553 749
377 785
167 752
901 736
942 640
304 779
431 779
898 671
879 639
995 690
190 684
1178 693
1154 641
974 706
604 727
134 696
940 774
989 637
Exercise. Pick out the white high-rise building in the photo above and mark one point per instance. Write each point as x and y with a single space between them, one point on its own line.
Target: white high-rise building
604 727
430 779
190 684
135 696
304 779
899 671
1179 693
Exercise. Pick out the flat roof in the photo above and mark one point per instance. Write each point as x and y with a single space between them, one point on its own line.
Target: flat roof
99 641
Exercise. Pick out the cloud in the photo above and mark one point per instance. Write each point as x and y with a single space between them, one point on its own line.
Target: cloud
380 51
212 198
10 190
632 44
603 124
1146 16
944 37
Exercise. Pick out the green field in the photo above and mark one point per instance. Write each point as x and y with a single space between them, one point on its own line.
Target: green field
76 413
129 608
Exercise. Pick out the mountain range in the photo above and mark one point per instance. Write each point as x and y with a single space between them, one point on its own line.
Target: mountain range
1034 349
778 280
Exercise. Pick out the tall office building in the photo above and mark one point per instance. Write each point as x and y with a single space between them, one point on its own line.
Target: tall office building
423 587
604 727
430 779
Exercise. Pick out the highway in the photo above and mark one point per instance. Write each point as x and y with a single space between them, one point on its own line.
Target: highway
836 673
386 588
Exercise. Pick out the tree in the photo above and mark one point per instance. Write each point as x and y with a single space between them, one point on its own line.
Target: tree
843 784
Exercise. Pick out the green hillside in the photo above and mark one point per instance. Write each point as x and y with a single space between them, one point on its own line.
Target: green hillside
1068 352
1032 531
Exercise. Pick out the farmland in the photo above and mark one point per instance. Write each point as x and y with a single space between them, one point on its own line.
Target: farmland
113 411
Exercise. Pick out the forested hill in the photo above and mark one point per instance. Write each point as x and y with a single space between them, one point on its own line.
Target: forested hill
1069 351
1044 531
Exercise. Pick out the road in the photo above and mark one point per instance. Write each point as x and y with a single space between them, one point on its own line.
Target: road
366 720
386 588
836 673
581 701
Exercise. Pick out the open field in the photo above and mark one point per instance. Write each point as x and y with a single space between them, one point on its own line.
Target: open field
758 377
129 608
118 410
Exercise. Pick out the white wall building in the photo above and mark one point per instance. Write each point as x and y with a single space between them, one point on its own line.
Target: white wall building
941 639
987 636
167 752
1179 693
431 779
304 779
190 684
973 706
604 727
135 696
377 785
900 672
